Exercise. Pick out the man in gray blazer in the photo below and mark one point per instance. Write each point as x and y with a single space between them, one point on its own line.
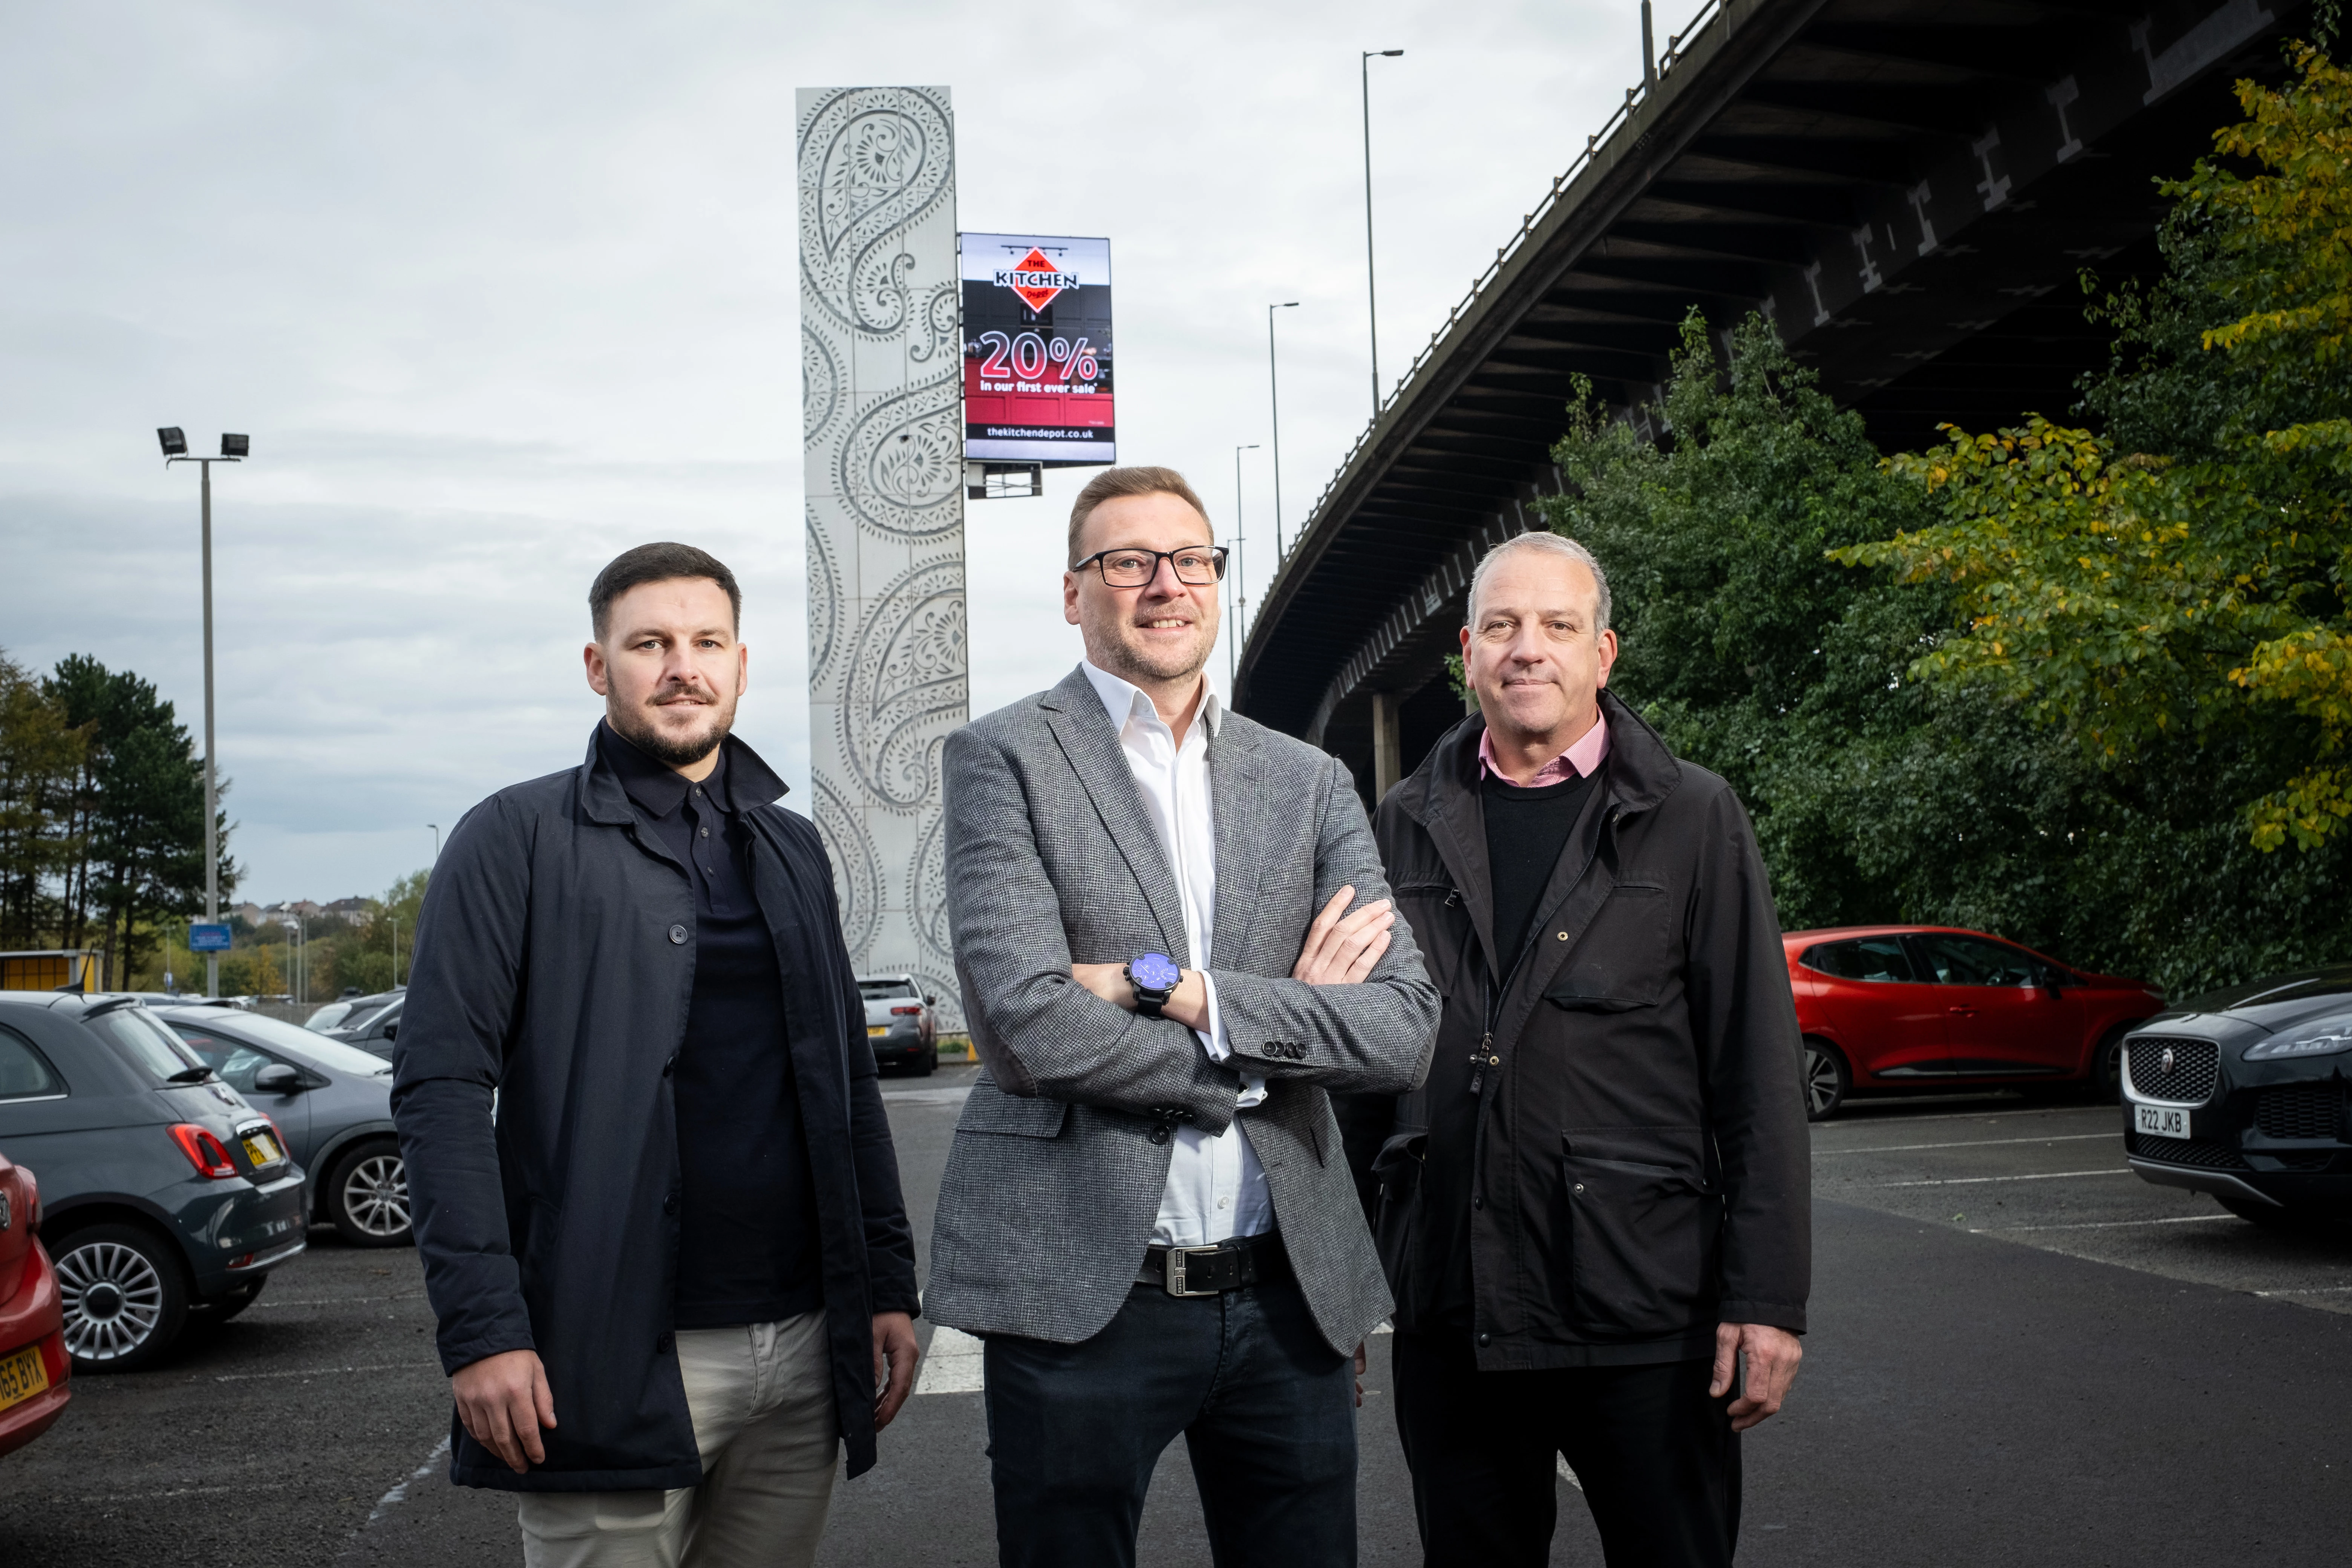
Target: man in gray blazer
1175 942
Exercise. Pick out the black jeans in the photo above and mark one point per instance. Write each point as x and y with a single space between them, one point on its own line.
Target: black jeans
1266 1408
1656 1457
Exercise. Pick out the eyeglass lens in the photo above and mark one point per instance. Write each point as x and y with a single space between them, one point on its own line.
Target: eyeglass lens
1134 568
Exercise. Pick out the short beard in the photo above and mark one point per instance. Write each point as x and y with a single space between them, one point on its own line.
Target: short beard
675 753
1134 663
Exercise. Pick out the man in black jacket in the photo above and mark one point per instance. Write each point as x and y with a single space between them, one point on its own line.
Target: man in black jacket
1595 1212
657 1199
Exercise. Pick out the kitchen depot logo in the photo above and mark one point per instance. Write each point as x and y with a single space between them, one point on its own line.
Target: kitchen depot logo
1035 280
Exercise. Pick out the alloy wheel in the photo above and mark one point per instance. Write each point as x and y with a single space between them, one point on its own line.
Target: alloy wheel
113 1297
1822 1088
376 1196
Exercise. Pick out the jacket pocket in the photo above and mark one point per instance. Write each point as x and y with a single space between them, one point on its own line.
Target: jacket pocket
1622 961
1642 1244
990 1109
1396 1230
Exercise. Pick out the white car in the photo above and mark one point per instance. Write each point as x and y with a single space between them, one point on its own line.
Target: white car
900 1022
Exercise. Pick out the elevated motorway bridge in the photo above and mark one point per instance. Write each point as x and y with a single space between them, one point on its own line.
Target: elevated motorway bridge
1907 189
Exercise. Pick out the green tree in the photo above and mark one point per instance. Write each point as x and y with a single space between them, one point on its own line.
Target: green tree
41 754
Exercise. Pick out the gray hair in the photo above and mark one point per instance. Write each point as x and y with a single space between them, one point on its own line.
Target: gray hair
1548 544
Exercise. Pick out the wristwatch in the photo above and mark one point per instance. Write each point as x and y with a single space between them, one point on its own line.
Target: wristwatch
1154 976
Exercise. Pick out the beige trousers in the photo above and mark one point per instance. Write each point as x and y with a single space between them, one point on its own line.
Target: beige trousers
761 1400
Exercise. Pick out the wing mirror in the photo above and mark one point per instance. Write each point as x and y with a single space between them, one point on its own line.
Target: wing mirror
392 1031
930 1001
277 1079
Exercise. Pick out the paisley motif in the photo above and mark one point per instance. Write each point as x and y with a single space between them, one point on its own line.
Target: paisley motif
820 385
930 890
901 467
857 879
906 686
824 604
873 161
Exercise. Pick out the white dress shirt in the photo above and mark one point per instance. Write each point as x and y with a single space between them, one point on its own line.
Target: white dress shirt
1216 1190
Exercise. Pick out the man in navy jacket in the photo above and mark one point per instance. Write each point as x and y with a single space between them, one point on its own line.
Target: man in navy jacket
657 1199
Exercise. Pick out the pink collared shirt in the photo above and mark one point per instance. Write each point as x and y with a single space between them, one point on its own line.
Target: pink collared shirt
1579 761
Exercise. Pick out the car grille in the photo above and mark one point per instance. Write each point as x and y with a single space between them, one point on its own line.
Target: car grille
2298 1110
2316 1160
2196 1064
2202 1153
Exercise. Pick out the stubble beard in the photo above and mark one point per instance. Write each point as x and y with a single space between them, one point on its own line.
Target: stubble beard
1138 664
636 727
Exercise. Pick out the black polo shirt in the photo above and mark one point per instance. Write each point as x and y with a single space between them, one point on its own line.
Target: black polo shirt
747 1239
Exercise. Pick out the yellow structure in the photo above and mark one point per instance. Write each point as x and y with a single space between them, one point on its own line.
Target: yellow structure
75 968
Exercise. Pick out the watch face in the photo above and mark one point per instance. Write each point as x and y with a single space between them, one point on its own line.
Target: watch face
1154 972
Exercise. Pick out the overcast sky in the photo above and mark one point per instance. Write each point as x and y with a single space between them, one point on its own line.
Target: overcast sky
500 291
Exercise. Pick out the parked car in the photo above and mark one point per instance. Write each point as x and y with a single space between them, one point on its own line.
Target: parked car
1925 1008
371 1023
2242 1093
900 1024
163 1192
35 1370
333 1102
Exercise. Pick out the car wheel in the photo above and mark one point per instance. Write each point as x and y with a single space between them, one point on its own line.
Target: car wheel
222 1308
1826 1079
929 1063
2105 1084
124 1297
367 1196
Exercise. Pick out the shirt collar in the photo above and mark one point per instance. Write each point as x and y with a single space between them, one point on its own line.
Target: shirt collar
657 787
1580 760
1123 701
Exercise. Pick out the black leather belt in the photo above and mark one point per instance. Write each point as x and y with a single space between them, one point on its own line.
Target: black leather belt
1213 1270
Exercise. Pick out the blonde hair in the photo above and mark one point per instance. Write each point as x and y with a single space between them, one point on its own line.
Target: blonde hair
1112 483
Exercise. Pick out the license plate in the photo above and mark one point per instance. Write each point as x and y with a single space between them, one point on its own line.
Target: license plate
2160 1120
262 1149
22 1375
874 1029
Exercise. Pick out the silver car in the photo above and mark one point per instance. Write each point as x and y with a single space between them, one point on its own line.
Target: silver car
333 1102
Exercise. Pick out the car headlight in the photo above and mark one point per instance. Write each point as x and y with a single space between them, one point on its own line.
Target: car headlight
2320 1038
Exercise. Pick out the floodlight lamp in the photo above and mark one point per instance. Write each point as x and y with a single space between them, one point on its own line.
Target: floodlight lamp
1390 54
174 440
236 446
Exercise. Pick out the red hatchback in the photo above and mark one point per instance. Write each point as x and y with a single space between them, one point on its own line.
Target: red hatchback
33 1363
1931 1007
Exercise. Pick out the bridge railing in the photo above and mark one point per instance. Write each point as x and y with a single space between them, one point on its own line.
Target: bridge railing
1708 11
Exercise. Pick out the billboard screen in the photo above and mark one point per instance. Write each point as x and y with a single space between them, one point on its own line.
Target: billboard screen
1036 350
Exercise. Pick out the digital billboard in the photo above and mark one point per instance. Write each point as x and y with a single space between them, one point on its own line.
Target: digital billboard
1036 350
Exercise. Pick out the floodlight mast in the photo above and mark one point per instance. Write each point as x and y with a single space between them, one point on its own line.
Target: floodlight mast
1372 284
234 450
1273 398
1239 599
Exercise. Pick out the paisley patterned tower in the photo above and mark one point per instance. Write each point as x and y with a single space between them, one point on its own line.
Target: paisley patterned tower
882 399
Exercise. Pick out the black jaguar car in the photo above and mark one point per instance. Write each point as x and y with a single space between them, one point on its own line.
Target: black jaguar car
2247 1094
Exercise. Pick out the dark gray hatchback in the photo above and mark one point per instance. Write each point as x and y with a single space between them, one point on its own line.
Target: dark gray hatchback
165 1193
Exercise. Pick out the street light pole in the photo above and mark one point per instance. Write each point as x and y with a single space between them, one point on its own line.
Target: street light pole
437 841
234 450
1274 393
1240 600
1371 289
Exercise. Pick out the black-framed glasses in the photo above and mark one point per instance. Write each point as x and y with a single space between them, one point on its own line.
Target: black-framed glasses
1197 565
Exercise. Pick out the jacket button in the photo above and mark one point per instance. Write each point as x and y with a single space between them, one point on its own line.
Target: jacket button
1579 1187
677 935
1160 1135
662 1345
1485 1338
670 1066
669 1204
1477 1202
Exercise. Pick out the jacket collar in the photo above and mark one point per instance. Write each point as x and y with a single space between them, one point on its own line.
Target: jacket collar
1639 775
604 794
1082 727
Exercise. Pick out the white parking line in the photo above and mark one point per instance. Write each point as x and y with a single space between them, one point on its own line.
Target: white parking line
1970 1144
399 1494
1974 1180
1987 1116
337 1301
324 1371
2309 1291
2108 1224
953 1365
926 1096
1568 1475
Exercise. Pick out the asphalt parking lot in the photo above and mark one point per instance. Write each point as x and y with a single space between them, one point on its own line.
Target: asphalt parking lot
2019 1352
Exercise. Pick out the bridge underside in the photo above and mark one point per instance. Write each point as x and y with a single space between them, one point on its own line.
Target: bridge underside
1909 192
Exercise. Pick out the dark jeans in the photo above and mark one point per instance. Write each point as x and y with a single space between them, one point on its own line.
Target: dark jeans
1656 1457
1266 1408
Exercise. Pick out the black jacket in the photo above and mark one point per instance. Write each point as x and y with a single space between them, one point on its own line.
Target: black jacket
554 965
1634 1167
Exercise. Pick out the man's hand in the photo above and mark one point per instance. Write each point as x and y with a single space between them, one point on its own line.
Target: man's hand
1188 1004
1772 1357
893 1365
1341 948
503 1400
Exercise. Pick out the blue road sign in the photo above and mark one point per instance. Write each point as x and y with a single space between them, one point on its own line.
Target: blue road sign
208 939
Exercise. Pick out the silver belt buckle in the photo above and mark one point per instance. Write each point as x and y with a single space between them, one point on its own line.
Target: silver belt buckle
1173 1277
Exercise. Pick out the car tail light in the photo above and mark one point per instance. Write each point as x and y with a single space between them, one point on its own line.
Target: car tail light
203 1151
906 1011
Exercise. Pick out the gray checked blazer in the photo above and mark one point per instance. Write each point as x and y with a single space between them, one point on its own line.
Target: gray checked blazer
1055 1179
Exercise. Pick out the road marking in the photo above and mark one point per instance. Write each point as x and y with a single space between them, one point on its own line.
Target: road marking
336 1300
1973 1181
2108 1224
324 1371
399 1494
1970 1144
1992 1116
953 1365
928 1096
1568 1475
2309 1291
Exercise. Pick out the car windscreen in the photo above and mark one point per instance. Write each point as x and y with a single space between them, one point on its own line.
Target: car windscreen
328 1017
2277 988
883 990
147 1042
276 1035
